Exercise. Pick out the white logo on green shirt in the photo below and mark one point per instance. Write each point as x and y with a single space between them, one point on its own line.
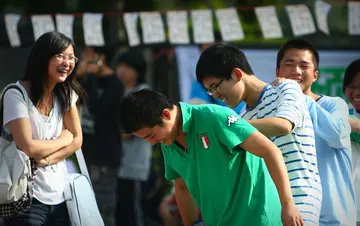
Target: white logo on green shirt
232 119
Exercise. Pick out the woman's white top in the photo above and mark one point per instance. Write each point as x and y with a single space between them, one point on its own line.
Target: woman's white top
49 181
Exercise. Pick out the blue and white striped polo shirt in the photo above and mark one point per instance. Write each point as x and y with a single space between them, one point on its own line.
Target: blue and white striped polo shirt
298 148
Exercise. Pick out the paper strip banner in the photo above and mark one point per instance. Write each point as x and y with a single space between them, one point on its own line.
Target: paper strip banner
130 20
178 27
11 25
42 24
202 26
269 22
301 20
152 27
93 32
64 24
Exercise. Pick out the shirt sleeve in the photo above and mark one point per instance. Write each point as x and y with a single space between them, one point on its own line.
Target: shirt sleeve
231 129
330 120
291 102
74 98
170 173
14 106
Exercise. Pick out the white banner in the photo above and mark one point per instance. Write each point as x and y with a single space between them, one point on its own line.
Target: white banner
42 24
152 27
64 24
11 25
130 20
202 26
93 32
354 18
178 27
301 20
269 22
230 26
322 10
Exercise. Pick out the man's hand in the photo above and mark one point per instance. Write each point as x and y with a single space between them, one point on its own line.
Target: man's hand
290 215
278 81
355 125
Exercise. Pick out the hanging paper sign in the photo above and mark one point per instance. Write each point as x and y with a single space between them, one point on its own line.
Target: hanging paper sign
42 24
130 20
152 27
202 26
93 32
178 27
269 22
301 20
11 25
64 24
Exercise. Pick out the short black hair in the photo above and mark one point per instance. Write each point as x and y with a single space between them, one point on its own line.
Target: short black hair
143 109
134 59
219 61
301 44
351 72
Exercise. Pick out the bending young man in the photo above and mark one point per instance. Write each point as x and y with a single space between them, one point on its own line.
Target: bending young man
219 162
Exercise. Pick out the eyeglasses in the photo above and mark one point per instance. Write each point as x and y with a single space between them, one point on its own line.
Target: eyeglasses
62 57
214 88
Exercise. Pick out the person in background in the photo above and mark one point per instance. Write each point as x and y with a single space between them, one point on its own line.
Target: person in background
101 125
351 89
47 128
135 162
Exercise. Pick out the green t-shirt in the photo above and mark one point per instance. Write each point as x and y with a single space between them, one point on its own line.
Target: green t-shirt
230 186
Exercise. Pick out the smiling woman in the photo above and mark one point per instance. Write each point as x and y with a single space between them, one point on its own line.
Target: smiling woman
47 127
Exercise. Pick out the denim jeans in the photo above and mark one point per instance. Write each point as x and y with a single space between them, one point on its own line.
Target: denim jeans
40 214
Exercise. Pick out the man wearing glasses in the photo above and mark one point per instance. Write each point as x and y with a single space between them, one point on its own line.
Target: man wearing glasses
280 113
